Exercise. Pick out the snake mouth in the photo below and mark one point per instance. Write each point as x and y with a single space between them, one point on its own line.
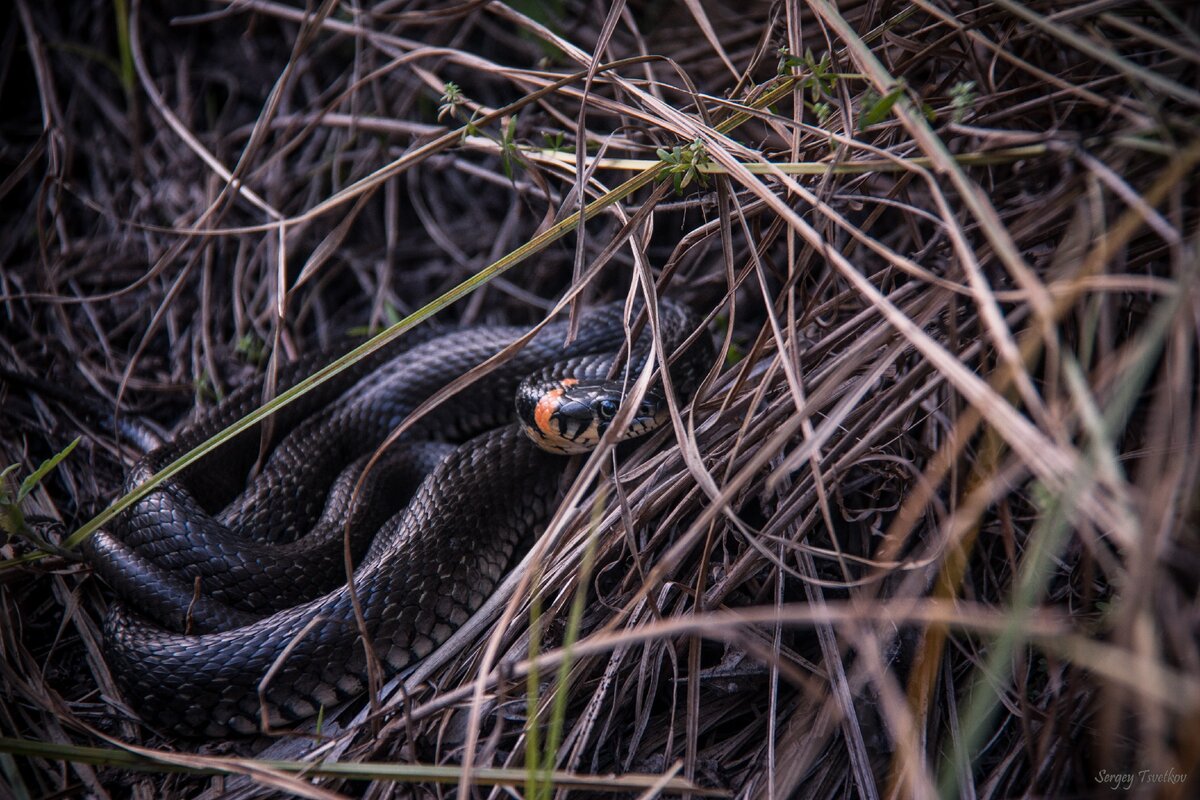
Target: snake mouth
569 416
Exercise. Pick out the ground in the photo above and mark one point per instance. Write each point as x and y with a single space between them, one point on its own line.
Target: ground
929 526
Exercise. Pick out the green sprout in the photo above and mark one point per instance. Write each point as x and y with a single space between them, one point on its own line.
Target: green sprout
251 349
12 517
452 101
452 98
685 164
962 99
510 154
821 78
878 107
823 112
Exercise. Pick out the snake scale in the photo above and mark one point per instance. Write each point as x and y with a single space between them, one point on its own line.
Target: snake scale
225 575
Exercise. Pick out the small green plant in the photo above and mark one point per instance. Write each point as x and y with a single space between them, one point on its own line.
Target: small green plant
554 141
823 112
820 80
787 61
251 349
962 99
875 108
12 517
450 101
685 164
510 154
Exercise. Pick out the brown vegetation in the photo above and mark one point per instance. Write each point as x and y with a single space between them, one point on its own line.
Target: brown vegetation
932 524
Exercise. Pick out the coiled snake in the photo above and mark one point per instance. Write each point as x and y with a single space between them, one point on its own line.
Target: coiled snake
223 580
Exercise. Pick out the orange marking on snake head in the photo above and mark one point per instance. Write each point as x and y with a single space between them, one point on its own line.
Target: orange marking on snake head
547 404
544 409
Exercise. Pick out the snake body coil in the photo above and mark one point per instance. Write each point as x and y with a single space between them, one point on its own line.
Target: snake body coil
230 580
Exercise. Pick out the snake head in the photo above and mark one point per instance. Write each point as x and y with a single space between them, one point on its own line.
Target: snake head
569 416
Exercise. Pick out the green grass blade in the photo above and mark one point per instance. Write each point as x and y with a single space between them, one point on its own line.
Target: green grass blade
363 771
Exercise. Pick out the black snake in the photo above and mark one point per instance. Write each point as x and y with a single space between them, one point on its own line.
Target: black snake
224 579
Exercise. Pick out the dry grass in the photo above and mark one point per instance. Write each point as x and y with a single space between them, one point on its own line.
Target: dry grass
931 528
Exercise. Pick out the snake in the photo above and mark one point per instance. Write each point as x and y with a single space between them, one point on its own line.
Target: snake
233 612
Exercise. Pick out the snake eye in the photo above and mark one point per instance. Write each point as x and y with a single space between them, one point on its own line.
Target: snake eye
607 408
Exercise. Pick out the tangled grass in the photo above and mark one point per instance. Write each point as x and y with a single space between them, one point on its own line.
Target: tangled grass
929 527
